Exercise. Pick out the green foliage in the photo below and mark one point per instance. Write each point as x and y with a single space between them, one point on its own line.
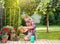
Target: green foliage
48 7
28 6
23 23
57 17
51 18
42 7
9 27
11 3
13 31
51 35
43 20
14 7
19 27
58 20
12 13
54 18
18 30
4 35
1 3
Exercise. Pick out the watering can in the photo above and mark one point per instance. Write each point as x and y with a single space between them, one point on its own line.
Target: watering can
32 38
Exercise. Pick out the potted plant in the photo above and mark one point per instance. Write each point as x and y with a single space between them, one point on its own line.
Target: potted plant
12 35
7 29
18 32
0 35
4 38
18 35
19 29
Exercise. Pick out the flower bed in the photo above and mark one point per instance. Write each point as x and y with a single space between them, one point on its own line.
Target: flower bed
9 33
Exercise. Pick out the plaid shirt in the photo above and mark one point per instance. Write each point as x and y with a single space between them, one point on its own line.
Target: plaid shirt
31 23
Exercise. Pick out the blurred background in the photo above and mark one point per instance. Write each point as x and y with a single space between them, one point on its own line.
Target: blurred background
45 13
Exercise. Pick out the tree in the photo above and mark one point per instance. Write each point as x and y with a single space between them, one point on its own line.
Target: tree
57 17
42 8
51 18
29 6
45 6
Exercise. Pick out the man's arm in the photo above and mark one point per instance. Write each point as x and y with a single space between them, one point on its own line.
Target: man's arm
28 27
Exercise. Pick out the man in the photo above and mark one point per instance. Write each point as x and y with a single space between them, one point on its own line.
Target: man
29 28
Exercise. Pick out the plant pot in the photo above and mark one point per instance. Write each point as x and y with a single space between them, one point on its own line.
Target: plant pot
4 40
12 36
18 37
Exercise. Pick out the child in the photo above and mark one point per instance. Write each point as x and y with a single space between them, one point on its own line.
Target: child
30 26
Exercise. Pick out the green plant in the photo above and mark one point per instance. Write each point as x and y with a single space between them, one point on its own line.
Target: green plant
13 31
23 22
9 27
12 12
4 38
4 35
19 27
18 30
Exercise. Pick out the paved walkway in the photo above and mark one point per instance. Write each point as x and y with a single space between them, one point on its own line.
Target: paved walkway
42 41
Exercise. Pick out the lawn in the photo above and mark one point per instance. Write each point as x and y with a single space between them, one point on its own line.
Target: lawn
54 32
51 35
51 28
54 35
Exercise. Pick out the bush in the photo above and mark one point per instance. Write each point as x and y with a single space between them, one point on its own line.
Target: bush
57 19
51 19
23 23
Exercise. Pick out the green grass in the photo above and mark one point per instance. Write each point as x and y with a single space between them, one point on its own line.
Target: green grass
44 26
54 35
51 28
38 26
51 35
54 32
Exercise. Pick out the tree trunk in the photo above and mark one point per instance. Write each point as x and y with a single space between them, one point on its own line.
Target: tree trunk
47 21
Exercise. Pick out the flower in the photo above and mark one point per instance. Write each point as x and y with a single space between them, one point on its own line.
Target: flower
15 28
6 30
0 32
